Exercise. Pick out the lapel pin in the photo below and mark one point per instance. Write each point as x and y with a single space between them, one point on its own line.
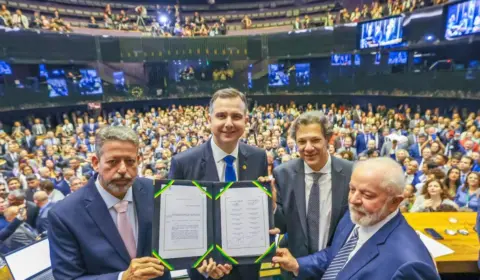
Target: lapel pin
244 167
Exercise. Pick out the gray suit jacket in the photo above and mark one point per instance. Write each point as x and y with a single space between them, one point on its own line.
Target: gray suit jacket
20 238
290 215
387 147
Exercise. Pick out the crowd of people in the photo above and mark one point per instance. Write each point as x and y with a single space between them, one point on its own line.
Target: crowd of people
36 21
439 153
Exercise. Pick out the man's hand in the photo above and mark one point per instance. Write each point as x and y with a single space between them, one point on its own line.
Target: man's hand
286 261
213 270
143 269
267 179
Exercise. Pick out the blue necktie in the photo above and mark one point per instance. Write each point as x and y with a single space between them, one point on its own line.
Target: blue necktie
230 175
341 258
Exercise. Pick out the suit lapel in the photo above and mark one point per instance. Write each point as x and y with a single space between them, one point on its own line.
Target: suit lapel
369 250
97 209
338 194
299 191
242 161
142 210
208 164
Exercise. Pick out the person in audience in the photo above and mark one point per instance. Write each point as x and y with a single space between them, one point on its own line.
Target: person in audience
6 16
246 22
376 191
465 165
17 198
41 199
434 198
19 20
467 195
54 195
22 236
33 187
409 198
452 181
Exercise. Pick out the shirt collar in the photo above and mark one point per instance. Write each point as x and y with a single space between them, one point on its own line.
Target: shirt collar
109 199
326 169
364 233
219 154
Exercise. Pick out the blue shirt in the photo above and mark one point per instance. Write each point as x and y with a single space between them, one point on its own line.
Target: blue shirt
463 199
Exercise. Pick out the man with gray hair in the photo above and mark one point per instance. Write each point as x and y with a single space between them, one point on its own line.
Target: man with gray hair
311 190
373 240
104 230
18 198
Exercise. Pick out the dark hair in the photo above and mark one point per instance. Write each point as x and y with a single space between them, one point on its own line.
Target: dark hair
13 179
458 182
228 93
46 185
312 117
469 158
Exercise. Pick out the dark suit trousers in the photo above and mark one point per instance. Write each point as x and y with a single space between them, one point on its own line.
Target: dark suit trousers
242 272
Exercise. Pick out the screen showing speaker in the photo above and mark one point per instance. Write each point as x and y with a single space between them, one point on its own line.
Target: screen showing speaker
90 83
383 32
277 75
463 19
341 59
302 74
396 58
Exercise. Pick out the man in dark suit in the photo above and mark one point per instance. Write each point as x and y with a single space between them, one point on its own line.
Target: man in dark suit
373 240
21 236
38 128
104 230
11 156
212 160
28 141
17 198
40 198
312 190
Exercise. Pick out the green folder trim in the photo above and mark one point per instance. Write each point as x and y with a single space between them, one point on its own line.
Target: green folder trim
266 253
256 183
201 189
164 262
203 256
232 260
164 189
224 190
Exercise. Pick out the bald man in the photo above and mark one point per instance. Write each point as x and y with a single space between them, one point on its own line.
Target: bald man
41 200
368 234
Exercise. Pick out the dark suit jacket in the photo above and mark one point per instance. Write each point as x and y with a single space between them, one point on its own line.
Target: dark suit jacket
42 220
84 241
198 164
394 252
290 215
32 214
28 144
20 237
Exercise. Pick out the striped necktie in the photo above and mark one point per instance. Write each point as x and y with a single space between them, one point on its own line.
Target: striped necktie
341 258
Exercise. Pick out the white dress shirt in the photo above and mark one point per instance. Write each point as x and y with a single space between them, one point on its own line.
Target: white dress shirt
365 233
110 201
218 156
325 184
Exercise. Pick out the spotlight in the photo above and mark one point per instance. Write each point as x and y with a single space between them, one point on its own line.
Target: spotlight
162 19
429 38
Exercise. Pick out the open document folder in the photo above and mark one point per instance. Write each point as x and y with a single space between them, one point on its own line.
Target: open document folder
228 222
435 248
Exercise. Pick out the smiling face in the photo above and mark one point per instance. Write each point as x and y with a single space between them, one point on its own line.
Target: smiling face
312 145
227 122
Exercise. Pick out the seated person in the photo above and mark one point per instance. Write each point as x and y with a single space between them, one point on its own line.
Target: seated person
467 195
434 195
408 198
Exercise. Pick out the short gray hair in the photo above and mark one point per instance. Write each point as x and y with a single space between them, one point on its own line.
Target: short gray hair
73 178
114 133
312 117
390 172
18 194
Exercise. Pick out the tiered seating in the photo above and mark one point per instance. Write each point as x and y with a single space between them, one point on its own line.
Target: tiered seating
263 14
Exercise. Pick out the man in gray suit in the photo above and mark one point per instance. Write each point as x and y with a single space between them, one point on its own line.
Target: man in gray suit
23 235
210 161
312 191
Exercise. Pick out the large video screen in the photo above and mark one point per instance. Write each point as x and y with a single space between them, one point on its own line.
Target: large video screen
382 32
341 59
277 75
90 83
302 74
463 19
395 58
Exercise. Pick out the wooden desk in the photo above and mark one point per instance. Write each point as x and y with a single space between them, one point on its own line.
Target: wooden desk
466 248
